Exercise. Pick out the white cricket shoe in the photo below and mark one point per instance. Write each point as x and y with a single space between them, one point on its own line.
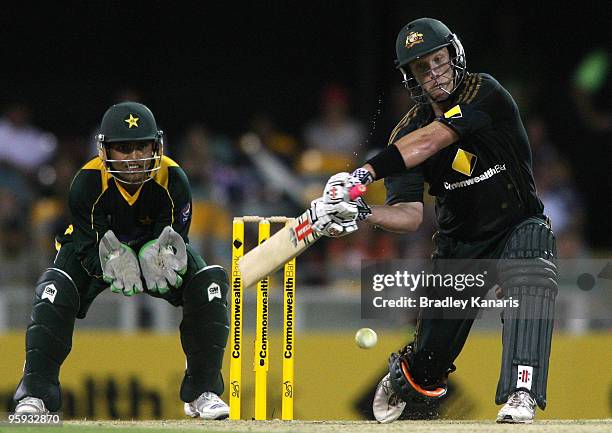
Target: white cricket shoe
519 409
207 406
31 405
387 405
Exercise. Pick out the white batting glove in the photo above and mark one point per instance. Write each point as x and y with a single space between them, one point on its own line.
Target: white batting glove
333 220
363 209
363 176
338 187
164 261
337 192
339 229
119 265
324 212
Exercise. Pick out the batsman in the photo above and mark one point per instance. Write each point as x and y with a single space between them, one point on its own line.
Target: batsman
130 210
465 139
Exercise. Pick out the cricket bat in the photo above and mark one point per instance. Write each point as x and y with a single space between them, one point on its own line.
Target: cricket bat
287 243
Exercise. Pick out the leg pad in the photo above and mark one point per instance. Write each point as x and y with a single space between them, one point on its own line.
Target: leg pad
49 337
204 331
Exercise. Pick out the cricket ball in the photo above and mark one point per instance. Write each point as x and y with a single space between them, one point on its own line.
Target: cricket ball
366 338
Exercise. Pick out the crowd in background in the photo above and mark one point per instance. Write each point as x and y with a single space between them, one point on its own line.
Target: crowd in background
227 180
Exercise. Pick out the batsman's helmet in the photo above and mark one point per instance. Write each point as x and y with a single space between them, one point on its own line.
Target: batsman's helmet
419 38
130 122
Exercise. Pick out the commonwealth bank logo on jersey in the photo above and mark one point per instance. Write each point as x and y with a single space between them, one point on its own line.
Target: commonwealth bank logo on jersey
486 175
464 162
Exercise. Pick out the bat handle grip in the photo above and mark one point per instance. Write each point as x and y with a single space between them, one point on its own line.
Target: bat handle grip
357 191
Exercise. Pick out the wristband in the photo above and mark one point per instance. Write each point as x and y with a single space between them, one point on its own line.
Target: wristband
387 162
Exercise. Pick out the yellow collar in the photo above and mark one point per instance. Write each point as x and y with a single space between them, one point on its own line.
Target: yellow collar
131 199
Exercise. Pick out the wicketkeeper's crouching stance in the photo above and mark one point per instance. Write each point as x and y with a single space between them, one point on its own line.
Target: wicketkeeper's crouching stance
130 214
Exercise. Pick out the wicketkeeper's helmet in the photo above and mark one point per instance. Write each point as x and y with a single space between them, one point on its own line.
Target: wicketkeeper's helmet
130 122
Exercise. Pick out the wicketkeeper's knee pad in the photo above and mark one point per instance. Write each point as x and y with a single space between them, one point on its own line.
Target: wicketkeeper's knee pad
49 337
204 331
404 384
528 276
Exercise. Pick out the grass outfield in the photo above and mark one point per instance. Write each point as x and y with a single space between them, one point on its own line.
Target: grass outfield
192 426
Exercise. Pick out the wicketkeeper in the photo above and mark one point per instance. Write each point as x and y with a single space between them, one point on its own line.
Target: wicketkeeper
130 211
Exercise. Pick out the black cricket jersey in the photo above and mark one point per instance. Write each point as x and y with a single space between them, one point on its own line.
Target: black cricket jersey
483 183
98 202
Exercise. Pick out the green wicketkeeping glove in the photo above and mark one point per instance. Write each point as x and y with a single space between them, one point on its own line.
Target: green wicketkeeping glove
164 261
119 266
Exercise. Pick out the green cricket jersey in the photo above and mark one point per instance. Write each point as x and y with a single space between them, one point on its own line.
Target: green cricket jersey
99 203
